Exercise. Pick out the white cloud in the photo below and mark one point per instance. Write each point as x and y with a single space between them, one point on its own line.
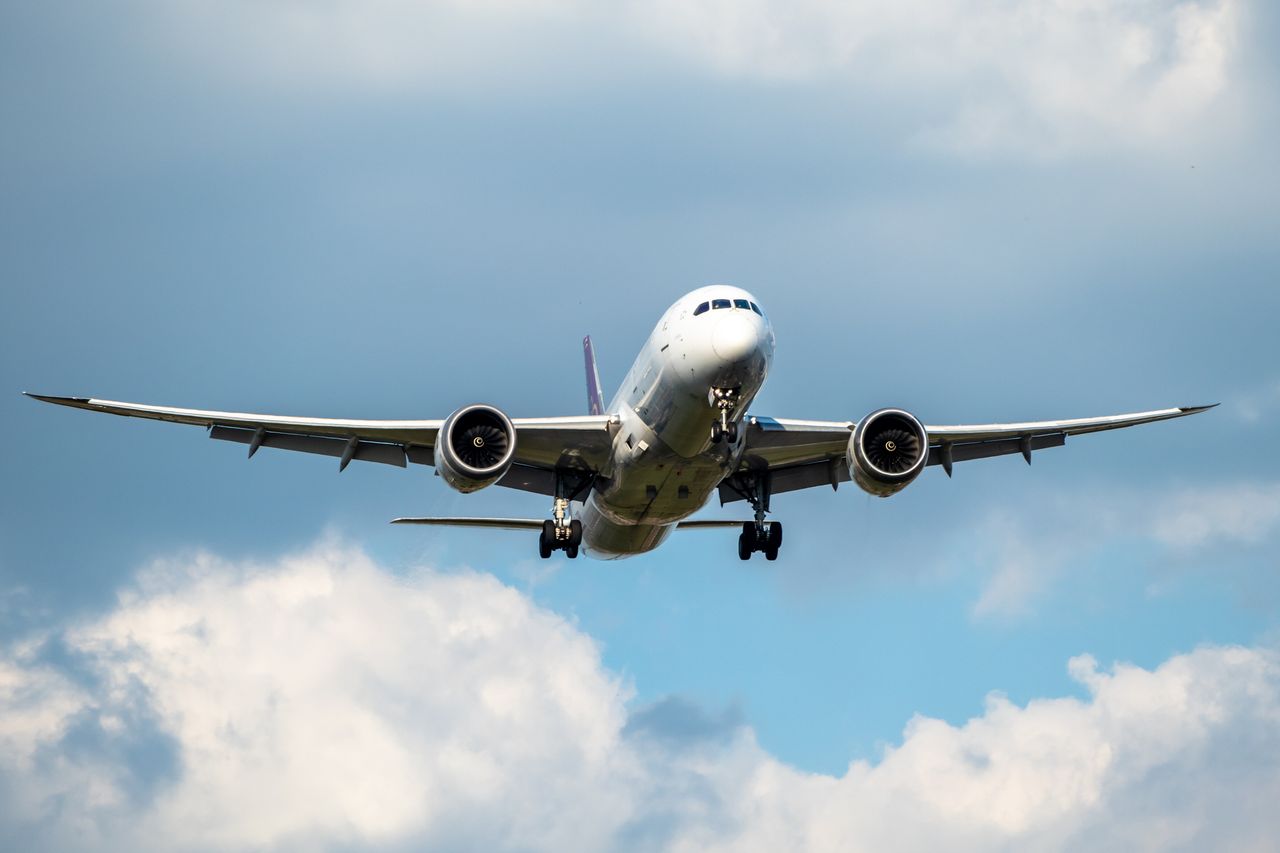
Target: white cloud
1240 514
320 702
1258 405
1039 78
1028 553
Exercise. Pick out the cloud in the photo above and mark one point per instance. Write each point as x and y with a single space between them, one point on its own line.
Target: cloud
318 702
1040 78
1027 553
1241 514
1258 405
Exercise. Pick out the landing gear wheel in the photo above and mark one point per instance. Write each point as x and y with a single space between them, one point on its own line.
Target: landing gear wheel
744 547
775 535
770 552
571 551
546 539
575 537
716 433
732 432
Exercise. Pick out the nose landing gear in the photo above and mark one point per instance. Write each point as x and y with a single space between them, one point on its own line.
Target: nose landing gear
725 400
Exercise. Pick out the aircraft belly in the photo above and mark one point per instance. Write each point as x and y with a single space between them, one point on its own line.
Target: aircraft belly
657 486
606 539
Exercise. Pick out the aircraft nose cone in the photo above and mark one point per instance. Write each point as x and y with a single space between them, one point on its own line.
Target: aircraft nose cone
735 338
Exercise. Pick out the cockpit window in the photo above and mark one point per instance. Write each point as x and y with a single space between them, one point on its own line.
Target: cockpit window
756 308
741 303
719 303
701 309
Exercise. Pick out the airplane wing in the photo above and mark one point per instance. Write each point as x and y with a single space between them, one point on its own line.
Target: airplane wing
542 444
801 454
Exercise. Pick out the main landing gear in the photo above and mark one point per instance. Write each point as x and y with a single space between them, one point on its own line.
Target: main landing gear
758 535
725 400
559 533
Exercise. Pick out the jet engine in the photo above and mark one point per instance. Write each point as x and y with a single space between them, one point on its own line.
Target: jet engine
475 447
888 449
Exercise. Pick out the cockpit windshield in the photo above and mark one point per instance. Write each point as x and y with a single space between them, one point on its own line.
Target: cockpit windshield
743 304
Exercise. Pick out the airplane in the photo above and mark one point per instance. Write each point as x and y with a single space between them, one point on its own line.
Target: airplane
678 431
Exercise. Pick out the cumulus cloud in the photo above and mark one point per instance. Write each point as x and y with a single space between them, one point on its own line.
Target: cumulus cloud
320 702
1040 78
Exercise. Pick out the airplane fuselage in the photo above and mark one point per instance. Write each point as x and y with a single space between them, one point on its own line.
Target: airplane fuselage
664 465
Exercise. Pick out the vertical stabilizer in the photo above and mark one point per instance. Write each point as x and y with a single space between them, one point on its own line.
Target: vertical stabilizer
595 403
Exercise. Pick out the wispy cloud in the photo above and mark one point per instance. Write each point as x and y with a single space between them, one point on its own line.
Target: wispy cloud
1028 552
317 702
1040 79
1258 405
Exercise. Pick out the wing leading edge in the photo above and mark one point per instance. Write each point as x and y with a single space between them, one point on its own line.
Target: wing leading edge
542 443
800 454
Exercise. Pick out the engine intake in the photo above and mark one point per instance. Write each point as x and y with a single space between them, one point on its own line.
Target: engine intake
475 447
887 450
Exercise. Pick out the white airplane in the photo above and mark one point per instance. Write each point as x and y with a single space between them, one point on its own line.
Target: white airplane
624 476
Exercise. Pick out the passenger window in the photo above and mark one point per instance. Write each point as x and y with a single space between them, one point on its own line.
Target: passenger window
756 308
719 303
741 303
701 309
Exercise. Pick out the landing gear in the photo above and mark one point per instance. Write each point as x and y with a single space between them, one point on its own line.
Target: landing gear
725 400
760 536
721 431
566 537
559 533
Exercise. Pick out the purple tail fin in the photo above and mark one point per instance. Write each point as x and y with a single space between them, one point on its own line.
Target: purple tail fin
595 403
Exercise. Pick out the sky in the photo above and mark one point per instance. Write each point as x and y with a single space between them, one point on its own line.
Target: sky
977 211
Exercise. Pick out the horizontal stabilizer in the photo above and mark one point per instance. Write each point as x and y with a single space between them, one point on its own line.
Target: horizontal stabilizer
492 523
711 524
536 523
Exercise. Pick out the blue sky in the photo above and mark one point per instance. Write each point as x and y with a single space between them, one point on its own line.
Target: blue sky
393 209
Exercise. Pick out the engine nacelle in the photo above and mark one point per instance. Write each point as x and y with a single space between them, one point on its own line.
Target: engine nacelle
475 447
887 450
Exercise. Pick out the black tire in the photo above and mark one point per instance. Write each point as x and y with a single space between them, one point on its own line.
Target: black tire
571 551
733 433
770 553
744 547
716 433
775 535
575 534
547 539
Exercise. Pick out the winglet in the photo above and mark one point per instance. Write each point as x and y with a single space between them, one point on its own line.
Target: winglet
595 402
80 402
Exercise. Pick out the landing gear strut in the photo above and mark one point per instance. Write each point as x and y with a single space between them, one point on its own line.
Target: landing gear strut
758 535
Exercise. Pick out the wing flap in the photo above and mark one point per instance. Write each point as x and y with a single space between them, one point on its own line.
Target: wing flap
995 447
365 451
